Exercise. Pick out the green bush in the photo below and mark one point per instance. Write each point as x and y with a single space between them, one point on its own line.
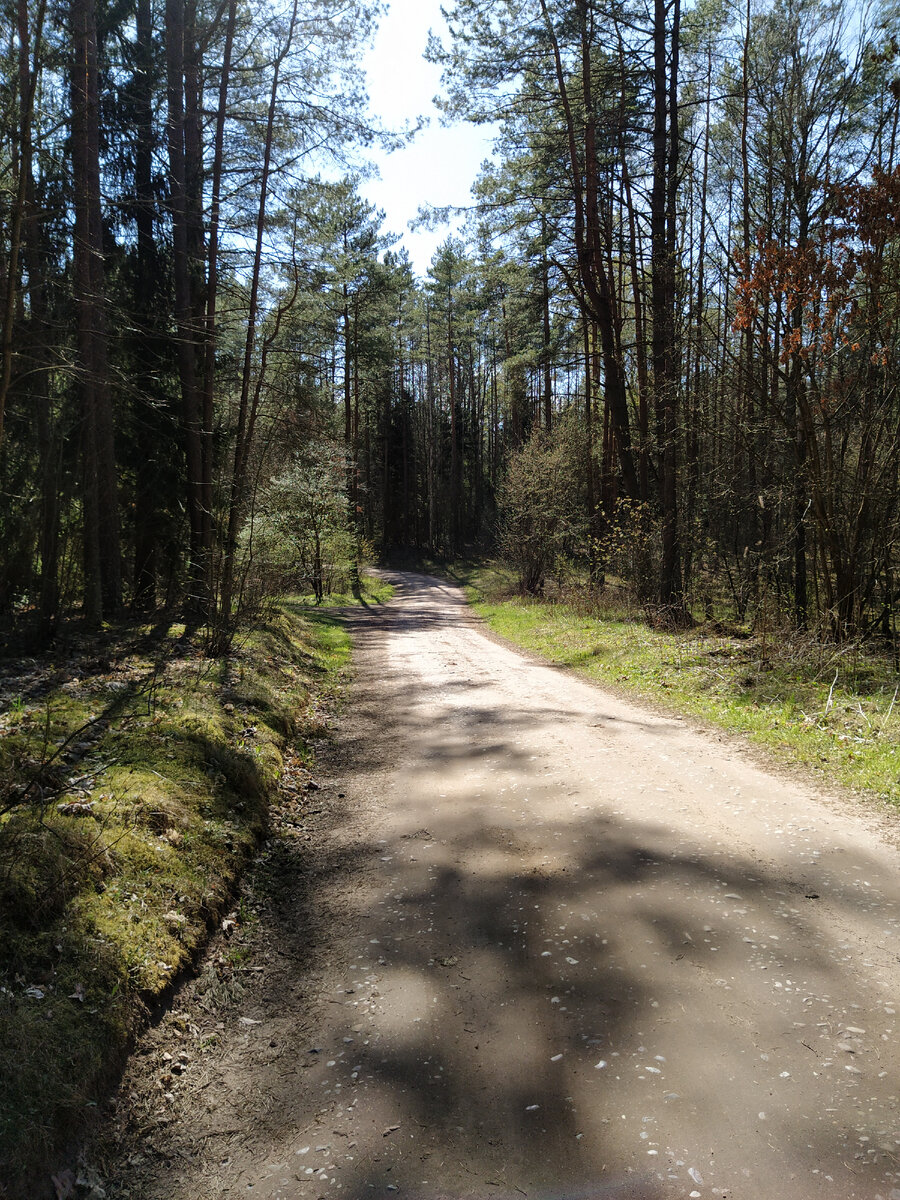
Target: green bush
543 504
300 536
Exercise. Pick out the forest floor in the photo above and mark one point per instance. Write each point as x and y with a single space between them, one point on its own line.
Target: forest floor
136 773
528 938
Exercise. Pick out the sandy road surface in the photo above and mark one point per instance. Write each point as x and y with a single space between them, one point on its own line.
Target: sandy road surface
556 945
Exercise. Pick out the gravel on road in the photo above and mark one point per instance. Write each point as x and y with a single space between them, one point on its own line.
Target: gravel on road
534 940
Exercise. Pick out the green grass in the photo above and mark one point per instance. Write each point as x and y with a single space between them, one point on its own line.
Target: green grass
101 910
374 591
835 709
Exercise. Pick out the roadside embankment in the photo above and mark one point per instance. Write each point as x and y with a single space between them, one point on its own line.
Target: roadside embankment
136 775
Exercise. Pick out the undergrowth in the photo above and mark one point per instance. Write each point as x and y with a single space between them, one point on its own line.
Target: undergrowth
373 591
136 789
832 707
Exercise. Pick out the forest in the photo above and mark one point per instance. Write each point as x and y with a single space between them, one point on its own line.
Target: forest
649 381
661 354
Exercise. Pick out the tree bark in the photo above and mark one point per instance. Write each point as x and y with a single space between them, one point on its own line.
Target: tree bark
102 549
662 292
212 286
545 314
454 426
175 38
147 500
38 335
246 414
28 78
596 286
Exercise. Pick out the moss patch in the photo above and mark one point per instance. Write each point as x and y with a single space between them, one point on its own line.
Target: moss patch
138 789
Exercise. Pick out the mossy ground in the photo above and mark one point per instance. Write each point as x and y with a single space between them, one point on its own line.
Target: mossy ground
833 708
129 843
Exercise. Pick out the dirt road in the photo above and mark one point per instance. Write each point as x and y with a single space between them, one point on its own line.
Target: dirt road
544 943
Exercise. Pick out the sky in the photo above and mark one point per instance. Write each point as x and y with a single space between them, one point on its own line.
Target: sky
441 164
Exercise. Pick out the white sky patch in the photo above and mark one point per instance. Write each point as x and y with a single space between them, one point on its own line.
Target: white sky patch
440 166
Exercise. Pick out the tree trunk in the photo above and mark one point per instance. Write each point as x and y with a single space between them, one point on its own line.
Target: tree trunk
28 79
454 428
175 37
102 550
212 284
350 465
663 246
545 349
147 499
246 415
597 287
38 338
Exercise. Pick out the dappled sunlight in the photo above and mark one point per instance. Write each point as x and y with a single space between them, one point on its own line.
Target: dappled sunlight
509 1017
595 939
567 947
415 1000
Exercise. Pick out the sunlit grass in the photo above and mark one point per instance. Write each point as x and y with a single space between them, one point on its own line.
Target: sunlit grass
373 590
99 912
835 709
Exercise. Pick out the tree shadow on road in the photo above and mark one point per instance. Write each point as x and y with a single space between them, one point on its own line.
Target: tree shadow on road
558 1006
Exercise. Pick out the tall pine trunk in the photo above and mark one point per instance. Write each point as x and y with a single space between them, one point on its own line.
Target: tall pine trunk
180 132
147 498
247 408
662 294
38 333
212 287
102 550
455 465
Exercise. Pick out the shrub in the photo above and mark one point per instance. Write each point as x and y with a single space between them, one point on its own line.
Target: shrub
301 539
543 504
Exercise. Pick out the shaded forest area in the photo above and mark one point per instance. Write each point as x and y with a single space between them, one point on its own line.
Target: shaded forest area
662 355
658 359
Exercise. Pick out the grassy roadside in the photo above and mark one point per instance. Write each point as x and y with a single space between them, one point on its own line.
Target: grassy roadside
134 785
835 709
374 591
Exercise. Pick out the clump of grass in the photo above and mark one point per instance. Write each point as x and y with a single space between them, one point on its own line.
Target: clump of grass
115 864
373 590
834 708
